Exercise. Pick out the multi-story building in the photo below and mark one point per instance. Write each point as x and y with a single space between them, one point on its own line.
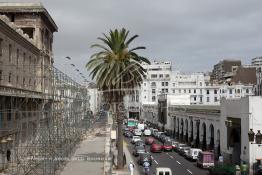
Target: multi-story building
224 69
257 63
26 59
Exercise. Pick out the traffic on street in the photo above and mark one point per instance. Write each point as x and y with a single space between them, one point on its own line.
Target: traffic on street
152 147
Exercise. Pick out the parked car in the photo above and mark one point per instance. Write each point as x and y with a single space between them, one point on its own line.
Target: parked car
179 147
144 157
193 153
135 139
206 159
184 150
174 144
158 134
163 171
149 140
167 139
137 132
147 132
167 147
128 134
154 131
139 150
156 148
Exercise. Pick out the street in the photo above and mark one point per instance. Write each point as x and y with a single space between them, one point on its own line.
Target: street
178 164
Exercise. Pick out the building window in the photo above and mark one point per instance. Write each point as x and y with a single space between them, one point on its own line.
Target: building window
166 90
189 90
166 83
24 59
207 91
194 91
144 84
153 91
207 99
238 91
153 84
160 75
154 76
1 46
174 84
184 91
17 79
200 83
1 75
174 91
167 75
9 77
163 83
179 91
230 91
200 91
153 98
201 100
10 53
247 91
215 99
23 81
215 91
194 98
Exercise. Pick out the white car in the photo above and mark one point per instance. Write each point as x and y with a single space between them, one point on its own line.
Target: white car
163 171
135 139
138 132
193 153
147 132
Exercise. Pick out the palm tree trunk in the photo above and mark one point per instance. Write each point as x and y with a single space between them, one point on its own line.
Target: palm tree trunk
120 154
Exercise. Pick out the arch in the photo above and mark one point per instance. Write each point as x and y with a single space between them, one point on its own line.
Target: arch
177 127
235 142
186 134
218 151
197 141
204 142
182 130
191 136
212 135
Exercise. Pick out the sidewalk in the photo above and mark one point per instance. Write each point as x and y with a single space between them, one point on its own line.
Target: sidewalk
89 156
129 158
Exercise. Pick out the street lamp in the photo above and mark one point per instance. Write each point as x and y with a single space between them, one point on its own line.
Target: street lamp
228 123
257 137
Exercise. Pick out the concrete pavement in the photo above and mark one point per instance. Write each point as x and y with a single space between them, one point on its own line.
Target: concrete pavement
89 156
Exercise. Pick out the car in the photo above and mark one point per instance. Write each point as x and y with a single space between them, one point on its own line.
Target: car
156 148
179 147
193 153
206 159
144 157
149 140
167 147
137 132
174 144
184 150
135 139
158 134
140 143
128 134
163 171
147 132
139 150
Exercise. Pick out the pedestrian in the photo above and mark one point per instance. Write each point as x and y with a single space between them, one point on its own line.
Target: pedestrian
238 172
124 159
131 167
244 168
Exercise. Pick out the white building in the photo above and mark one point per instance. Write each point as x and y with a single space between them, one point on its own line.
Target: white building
238 116
94 100
257 62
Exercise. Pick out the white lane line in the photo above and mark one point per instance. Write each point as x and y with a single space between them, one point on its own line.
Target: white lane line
155 161
171 157
178 162
189 171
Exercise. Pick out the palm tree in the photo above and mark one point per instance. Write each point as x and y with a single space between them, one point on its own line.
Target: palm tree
117 70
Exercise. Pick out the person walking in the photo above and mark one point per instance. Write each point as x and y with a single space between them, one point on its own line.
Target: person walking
238 172
131 167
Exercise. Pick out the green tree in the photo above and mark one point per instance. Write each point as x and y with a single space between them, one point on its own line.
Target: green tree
117 70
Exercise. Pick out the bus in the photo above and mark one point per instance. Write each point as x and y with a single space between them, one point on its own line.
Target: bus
131 122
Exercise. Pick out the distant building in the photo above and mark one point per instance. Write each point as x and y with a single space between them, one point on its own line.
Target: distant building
257 63
224 69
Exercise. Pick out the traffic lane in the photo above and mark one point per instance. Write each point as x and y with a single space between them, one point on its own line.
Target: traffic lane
189 165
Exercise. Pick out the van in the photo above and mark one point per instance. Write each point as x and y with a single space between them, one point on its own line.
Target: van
206 159
193 153
163 171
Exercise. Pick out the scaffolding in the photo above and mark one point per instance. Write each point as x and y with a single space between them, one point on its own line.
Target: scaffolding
39 133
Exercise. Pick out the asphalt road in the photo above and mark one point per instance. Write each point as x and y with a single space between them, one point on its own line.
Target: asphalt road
178 164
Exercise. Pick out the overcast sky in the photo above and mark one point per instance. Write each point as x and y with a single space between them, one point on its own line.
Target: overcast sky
193 34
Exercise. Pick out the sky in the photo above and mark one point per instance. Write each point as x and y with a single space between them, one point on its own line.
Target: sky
193 34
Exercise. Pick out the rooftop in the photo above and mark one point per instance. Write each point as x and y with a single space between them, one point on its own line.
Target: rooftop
35 7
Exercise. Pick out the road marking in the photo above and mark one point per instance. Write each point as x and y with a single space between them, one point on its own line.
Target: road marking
155 161
189 171
178 162
172 157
